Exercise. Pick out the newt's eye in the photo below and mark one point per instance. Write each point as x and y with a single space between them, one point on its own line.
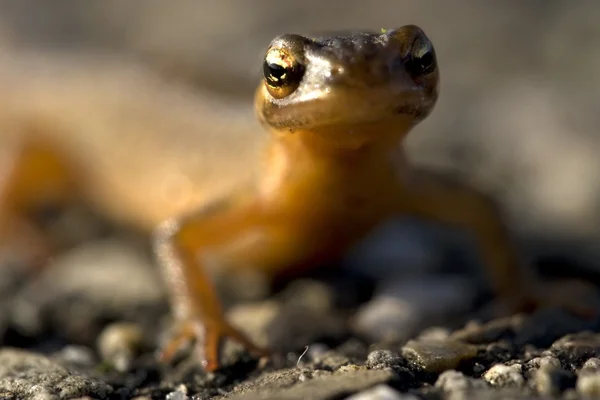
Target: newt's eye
282 72
421 59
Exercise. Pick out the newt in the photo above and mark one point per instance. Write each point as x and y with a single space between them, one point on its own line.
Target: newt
337 109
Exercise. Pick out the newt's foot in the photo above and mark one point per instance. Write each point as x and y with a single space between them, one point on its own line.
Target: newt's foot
208 338
575 296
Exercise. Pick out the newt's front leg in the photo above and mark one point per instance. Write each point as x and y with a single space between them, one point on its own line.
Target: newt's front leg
444 200
229 235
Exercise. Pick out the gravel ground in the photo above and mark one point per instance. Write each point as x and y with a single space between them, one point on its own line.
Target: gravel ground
88 325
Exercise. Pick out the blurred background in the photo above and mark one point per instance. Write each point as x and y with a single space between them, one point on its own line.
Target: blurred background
520 90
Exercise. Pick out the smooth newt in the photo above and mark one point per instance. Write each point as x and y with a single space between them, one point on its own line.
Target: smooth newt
338 108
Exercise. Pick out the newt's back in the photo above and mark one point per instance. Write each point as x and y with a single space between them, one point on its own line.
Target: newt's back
147 149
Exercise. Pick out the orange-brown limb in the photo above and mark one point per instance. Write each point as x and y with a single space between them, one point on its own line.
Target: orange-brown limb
237 236
448 201
37 175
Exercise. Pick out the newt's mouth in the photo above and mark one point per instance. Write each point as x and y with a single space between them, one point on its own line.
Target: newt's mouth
345 108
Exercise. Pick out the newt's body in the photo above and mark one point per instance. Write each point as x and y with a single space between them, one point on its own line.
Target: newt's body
132 136
338 108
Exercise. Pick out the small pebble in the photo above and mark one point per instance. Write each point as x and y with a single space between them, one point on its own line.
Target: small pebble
438 355
544 362
588 382
454 381
316 351
403 308
592 363
381 392
120 343
505 376
177 396
80 356
550 381
382 359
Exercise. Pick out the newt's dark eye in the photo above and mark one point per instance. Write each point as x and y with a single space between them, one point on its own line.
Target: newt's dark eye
282 72
421 59
274 74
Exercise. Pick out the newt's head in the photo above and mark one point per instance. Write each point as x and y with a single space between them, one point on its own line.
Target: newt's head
348 90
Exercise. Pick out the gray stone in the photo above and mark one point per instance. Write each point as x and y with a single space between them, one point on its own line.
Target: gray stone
438 355
404 307
25 375
378 359
505 376
76 356
454 381
286 385
456 386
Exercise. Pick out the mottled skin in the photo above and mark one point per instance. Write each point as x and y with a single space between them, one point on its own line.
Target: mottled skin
338 109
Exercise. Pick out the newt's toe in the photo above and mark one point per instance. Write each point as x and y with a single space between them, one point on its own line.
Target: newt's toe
208 339
184 335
